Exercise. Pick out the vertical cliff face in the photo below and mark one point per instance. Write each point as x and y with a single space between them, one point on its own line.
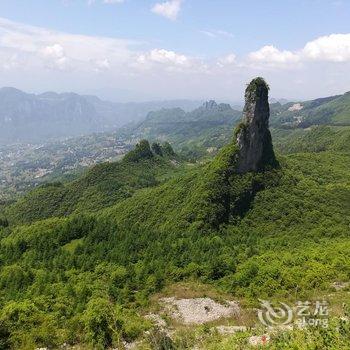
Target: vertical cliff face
253 134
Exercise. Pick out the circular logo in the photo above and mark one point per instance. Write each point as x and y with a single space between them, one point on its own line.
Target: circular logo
275 316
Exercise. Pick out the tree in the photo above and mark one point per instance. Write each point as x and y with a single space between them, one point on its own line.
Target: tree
168 149
157 149
142 151
98 320
3 222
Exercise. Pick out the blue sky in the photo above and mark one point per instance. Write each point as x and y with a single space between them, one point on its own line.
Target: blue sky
143 49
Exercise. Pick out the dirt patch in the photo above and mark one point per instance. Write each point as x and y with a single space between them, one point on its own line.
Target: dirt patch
199 310
156 320
226 330
340 285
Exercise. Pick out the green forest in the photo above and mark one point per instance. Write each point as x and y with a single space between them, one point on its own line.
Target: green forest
82 263
86 278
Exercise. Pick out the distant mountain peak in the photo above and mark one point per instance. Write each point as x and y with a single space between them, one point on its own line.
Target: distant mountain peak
7 90
212 105
282 101
49 95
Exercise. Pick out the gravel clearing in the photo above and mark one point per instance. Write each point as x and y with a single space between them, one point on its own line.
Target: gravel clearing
199 310
226 330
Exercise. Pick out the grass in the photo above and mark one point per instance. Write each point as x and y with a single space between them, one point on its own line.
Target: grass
72 245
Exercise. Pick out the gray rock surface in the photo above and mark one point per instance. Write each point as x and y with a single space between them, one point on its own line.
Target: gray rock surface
253 134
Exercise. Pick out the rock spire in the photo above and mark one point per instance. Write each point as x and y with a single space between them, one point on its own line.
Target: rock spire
253 134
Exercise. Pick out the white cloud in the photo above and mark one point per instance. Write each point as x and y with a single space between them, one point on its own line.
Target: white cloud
208 33
102 65
55 56
168 57
332 48
227 60
9 62
98 62
58 50
113 1
169 60
271 56
169 9
90 2
43 48
217 34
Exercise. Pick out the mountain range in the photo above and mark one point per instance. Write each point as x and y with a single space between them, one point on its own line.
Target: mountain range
36 118
332 110
296 126
178 126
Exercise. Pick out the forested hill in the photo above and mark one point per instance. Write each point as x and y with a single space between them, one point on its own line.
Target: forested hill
245 224
333 110
315 139
178 126
101 186
205 130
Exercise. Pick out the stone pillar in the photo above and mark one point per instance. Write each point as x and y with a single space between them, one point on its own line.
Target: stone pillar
253 134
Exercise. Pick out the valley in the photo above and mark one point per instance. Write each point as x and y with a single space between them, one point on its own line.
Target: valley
24 166
196 135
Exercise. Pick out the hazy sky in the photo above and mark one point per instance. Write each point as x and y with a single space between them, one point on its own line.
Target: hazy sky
156 49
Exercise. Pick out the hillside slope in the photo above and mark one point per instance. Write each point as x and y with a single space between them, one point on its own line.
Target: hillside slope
314 139
102 186
61 275
202 132
180 127
333 110
91 279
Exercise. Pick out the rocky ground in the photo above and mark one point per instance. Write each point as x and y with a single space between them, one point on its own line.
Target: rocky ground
199 310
